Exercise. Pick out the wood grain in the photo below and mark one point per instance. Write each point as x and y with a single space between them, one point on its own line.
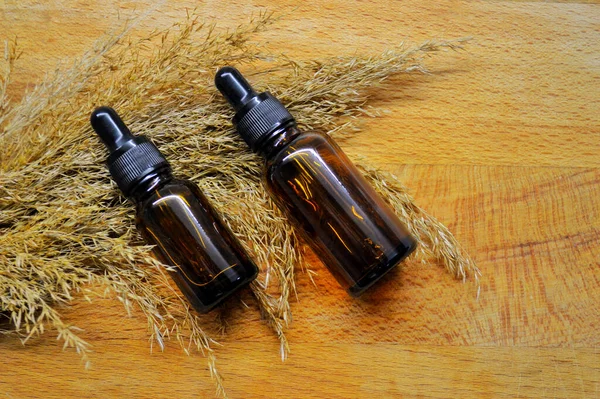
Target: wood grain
500 142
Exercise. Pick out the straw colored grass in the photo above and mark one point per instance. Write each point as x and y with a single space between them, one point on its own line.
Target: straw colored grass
65 227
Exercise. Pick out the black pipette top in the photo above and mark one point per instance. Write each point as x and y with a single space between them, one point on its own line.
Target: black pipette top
257 115
131 158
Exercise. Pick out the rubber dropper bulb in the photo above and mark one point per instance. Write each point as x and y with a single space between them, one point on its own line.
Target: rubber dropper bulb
234 87
111 129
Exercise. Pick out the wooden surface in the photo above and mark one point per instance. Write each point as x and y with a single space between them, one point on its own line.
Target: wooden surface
502 143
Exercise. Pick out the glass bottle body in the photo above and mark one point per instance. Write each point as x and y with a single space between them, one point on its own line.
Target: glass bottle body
348 225
208 263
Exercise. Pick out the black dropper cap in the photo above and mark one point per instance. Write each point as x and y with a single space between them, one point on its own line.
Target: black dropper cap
131 157
257 115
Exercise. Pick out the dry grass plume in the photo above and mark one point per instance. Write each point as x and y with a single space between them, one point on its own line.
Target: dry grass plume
64 224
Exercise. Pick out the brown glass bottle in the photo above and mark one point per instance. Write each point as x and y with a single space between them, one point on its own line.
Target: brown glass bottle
208 263
352 230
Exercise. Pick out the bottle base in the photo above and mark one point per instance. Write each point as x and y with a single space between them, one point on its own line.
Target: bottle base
380 270
205 308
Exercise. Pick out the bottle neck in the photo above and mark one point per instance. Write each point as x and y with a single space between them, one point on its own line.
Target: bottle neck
150 183
278 140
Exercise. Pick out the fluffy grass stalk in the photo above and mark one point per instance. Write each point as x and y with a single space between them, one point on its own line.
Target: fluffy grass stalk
64 225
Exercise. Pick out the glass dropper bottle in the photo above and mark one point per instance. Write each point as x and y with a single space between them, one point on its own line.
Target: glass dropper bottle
349 226
206 261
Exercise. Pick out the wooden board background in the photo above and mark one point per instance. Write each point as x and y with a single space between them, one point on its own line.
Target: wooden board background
502 143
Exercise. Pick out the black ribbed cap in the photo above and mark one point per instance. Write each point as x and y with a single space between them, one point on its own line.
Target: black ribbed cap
257 115
131 157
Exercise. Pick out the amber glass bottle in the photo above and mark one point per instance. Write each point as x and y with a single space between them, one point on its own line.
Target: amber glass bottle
208 263
352 230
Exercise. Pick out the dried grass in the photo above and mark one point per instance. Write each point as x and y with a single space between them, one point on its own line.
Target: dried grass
64 225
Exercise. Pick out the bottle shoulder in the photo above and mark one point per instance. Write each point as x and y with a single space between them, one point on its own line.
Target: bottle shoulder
308 144
173 190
